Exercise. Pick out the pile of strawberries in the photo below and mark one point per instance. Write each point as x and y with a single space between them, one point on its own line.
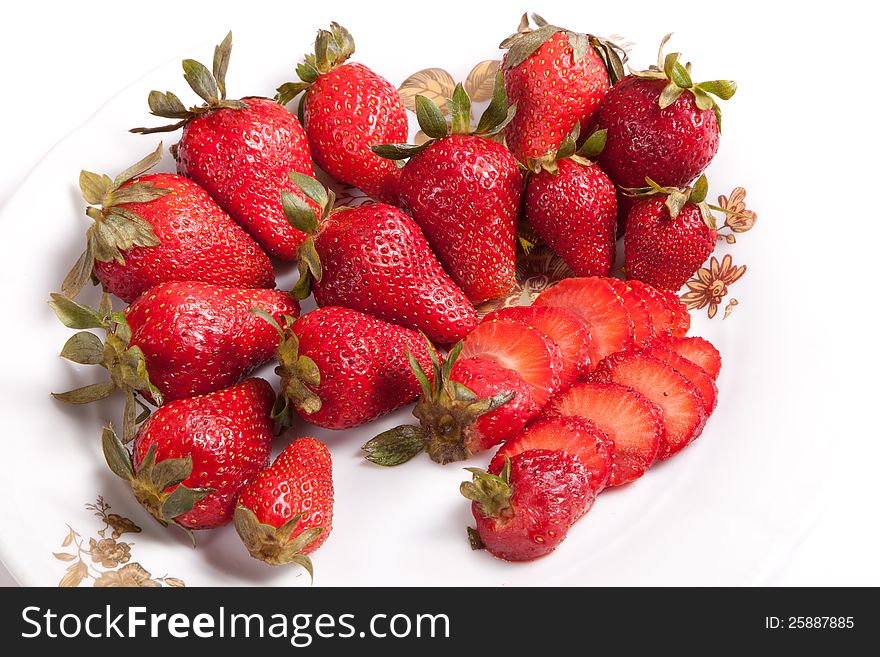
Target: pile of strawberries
583 390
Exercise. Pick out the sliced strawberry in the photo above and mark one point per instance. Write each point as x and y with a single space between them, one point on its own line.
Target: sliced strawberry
643 325
593 299
575 436
527 351
562 326
695 349
632 422
681 318
695 374
683 412
661 314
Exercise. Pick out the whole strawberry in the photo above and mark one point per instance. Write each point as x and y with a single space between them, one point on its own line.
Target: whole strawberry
240 151
661 125
340 368
464 190
557 79
669 234
154 228
346 109
192 456
524 510
176 340
374 258
286 511
572 206
477 404
197 338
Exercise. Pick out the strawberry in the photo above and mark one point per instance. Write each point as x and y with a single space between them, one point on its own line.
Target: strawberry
643 324
574 436
663 318
375 259
661 125
697 350
669 234
696 375
160 227
464 190
467 405
524 509
192 456
286 511
681 318
527 351
347 109
570 333
557 78
197 338
240 151
176 340
572 206
632 423
594 300
684 414
340 368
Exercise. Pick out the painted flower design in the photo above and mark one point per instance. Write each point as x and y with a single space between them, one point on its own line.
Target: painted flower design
737 217
121 525
130 575
710 285
108 552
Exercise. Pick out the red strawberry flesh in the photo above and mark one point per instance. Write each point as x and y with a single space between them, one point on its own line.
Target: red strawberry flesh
683 413
574 436
633 424
564 327
695 349
530 353
595 301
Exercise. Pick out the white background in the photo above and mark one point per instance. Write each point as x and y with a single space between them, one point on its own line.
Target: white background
807 68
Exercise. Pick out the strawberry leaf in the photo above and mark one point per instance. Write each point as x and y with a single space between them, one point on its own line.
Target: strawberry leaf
430 118
395 446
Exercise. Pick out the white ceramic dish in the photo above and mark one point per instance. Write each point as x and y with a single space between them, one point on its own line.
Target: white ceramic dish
715 514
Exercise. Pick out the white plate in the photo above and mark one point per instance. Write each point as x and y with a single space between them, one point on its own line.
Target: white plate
718 513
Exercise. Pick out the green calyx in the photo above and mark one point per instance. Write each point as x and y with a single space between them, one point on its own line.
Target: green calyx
302 216
158 486
333 47
434 124
115 228
209 85
446 412
584 154
125 363
492 493
526 40
299 373
678 76
677 198
274 545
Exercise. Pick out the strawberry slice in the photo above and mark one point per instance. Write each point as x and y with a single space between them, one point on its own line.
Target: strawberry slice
643 325
595 301
695 349
681 318
683 412
632 422
661 314
695 374
562 326
575 436
527 351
